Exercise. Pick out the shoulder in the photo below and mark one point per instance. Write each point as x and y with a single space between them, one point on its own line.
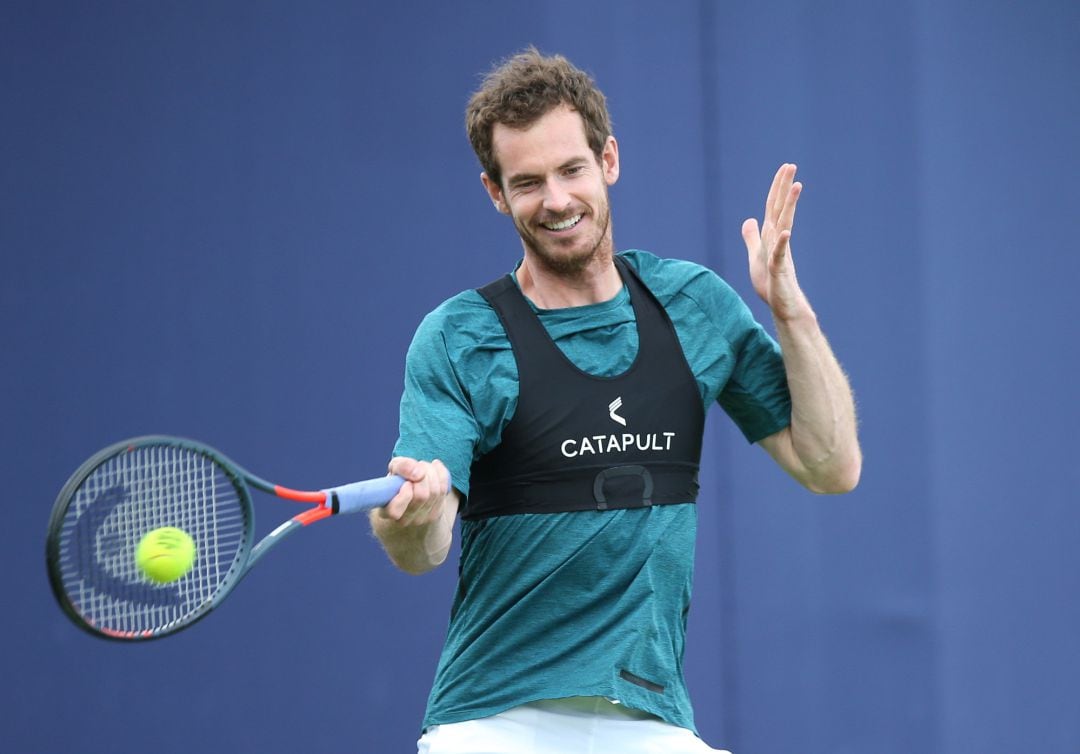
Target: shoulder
678 281
462 337
462 308
462 319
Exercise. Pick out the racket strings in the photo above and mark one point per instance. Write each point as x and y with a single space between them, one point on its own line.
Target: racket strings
124 498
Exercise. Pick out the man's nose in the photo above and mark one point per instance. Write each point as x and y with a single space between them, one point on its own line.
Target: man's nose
556 197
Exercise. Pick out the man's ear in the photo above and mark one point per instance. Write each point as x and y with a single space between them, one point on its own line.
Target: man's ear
609 161
495 192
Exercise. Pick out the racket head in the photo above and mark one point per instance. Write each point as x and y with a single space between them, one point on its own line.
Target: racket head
114 499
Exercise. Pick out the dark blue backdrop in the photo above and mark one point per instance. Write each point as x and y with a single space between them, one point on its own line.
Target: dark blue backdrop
224 220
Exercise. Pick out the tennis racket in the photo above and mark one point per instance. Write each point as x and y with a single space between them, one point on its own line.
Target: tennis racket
133 487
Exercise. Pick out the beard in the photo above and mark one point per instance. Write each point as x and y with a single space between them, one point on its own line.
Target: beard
563 259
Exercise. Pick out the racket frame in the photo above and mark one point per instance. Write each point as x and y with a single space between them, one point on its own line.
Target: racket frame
325 504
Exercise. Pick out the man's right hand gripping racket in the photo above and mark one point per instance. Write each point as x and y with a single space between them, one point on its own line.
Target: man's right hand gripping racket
134 487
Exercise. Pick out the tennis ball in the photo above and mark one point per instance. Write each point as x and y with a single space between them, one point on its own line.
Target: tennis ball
165 554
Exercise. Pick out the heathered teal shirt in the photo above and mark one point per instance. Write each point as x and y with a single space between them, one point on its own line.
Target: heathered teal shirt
590 603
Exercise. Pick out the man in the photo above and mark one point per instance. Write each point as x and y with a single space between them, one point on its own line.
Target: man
566 401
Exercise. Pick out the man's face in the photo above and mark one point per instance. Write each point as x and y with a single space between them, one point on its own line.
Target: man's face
555 190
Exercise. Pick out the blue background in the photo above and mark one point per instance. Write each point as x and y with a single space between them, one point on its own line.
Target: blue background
224 220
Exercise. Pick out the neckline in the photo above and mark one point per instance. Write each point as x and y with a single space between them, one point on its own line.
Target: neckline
618 300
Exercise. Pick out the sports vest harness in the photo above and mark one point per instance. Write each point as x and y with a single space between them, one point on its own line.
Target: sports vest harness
580 442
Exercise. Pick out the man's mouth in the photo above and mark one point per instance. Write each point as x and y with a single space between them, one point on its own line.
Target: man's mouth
566 224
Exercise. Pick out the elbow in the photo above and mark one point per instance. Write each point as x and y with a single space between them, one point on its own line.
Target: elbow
841 479
417 567
841 485
418 563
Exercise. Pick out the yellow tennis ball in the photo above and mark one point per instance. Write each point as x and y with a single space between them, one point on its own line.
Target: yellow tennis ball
165 554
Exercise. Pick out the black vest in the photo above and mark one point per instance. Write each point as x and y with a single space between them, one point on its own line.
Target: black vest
579 442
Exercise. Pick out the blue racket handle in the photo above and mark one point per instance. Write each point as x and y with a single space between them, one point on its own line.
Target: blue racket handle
362 496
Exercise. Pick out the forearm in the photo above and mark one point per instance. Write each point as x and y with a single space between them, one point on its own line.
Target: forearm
417 548
823 452
821 446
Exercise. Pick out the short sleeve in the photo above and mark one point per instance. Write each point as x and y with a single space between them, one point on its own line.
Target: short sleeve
756 395
460 386
735 361
436 418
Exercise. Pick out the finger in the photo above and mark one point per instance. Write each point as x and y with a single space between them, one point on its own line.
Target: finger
436 486
783 195
778 192
787 214
770 199
397 506
428 512
406 468
422 485
751 236
442 478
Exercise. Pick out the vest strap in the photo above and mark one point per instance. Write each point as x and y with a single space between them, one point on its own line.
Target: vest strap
545 461
613 488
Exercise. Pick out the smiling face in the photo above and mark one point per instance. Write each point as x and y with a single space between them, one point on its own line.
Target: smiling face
556 190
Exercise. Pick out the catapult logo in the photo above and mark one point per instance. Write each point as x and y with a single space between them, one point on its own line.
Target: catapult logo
601 444
614 406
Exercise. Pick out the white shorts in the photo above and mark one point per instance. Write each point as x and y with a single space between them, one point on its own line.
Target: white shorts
579 725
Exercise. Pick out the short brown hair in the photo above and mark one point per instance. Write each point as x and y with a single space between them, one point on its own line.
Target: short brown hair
524 88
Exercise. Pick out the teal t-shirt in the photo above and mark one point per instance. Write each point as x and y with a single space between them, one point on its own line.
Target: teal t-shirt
590 603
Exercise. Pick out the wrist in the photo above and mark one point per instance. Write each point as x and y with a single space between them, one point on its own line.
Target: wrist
797 313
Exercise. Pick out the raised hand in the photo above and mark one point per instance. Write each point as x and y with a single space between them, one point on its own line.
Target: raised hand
772 270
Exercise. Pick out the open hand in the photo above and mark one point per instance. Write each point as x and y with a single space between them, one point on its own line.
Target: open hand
772 270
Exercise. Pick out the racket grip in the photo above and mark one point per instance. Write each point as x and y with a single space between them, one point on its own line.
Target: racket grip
362 496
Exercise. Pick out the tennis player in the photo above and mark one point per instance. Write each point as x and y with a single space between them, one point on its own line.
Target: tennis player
567 401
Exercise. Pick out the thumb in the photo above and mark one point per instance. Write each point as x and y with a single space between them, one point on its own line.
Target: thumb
750 234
